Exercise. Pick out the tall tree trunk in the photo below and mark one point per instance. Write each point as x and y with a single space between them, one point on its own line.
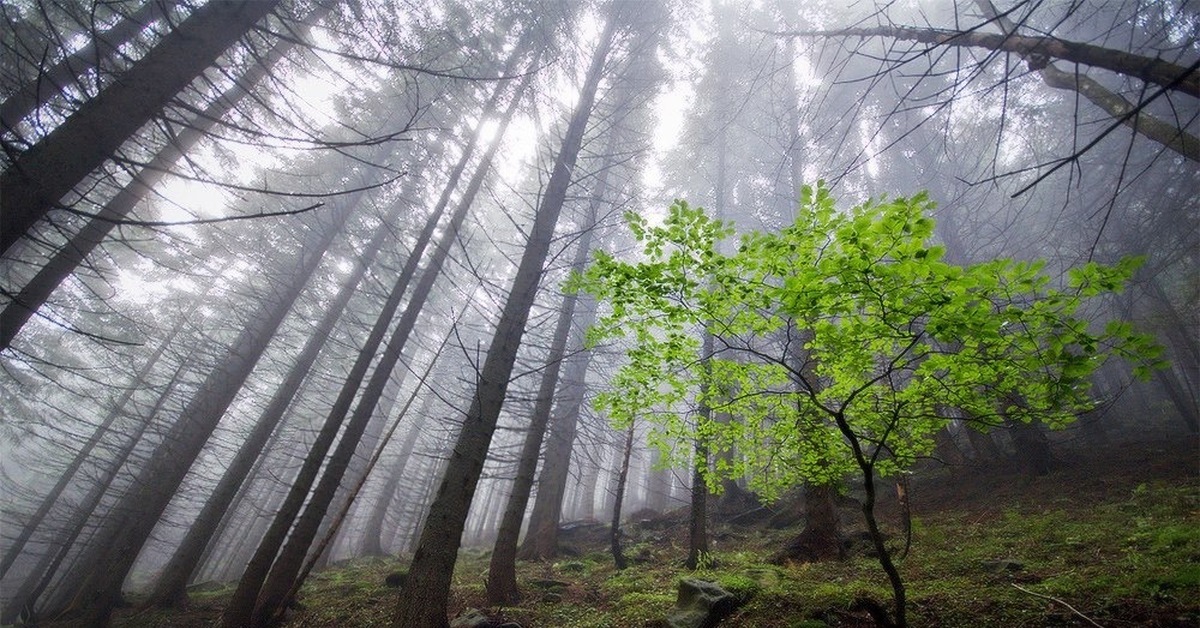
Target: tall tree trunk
541 542
618 499
657 487
31 297
99 586
42 175
586 497
698 520
170 589
424 597
340 518
502 570
49 83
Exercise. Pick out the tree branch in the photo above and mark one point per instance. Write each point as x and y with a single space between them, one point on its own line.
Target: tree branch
1037 50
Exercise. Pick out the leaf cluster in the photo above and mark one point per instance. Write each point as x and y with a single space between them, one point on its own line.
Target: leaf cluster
845 341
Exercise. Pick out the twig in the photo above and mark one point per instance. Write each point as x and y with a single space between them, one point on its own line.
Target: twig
1054 599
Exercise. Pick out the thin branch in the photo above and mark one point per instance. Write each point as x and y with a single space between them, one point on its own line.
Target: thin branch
198 221
1054 599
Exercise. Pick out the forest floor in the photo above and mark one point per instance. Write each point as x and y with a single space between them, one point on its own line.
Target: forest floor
1110 538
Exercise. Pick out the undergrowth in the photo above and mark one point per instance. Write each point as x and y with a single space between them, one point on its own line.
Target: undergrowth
1130 561
1129 556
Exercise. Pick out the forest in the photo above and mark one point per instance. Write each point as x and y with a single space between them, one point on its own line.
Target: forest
600 313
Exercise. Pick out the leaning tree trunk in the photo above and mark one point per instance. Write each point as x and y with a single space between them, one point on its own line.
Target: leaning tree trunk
26 599
502 570
335 525
274 587
65 260
98 586
118 410
541 541
49 83
372 543
42 175
171 586
423 599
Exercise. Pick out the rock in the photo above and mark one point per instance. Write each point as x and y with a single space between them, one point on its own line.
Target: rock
701 604
472 618
395 579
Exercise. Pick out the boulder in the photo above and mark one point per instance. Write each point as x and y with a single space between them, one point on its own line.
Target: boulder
475 618
701 604
472 618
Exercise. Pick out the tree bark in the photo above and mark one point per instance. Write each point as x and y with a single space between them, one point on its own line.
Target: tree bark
424 597
42 175
1148 69
541 541
85 452
334 525
372 541
1115 105
698 519
502 570
34 584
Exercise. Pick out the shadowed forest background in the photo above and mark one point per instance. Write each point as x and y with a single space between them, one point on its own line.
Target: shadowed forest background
388 313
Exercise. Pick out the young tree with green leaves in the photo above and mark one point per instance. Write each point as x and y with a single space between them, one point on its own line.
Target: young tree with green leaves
898 342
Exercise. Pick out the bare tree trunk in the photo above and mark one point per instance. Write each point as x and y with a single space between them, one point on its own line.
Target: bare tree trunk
337 521
587 491
1114 104
541 541
424 596
42 175
260 593
372 540
618 498
657 483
